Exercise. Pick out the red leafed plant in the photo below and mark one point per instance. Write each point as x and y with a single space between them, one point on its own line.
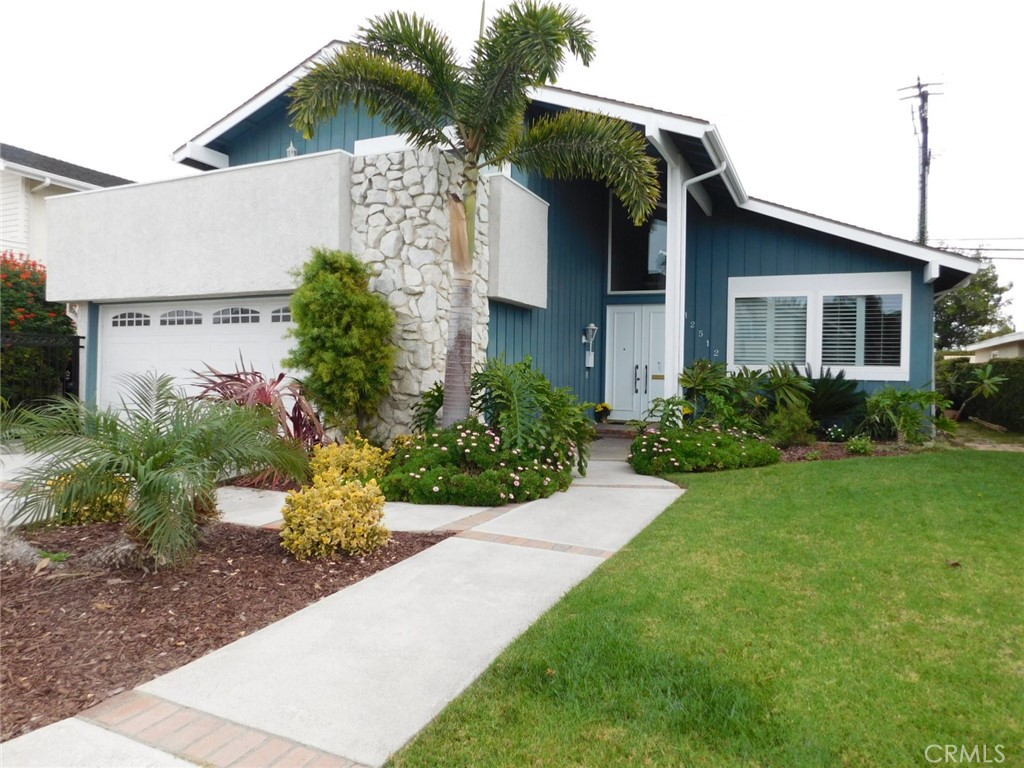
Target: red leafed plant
248 387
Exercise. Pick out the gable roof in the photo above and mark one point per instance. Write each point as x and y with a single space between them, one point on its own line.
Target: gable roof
43 167
698 142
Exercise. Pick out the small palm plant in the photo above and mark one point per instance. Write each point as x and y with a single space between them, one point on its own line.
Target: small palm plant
169 450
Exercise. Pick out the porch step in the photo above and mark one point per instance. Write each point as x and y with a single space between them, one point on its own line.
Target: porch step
615 429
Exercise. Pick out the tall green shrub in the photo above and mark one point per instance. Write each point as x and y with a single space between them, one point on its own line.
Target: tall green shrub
343 335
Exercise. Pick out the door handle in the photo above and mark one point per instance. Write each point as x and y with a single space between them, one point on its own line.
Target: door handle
636 379
645 379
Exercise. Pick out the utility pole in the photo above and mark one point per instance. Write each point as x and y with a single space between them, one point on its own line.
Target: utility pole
926 155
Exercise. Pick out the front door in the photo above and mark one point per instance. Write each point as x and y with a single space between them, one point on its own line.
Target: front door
635 372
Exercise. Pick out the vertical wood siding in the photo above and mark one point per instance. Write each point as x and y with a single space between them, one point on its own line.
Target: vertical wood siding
734 243
577 247
268 137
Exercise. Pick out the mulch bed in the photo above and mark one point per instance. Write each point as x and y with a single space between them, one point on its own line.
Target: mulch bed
834 451
72 636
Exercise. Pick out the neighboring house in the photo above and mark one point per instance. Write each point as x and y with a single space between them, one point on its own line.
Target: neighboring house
1005 346
199 270
27 180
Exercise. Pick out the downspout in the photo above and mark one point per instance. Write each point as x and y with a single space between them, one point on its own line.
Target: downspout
680 357
44 185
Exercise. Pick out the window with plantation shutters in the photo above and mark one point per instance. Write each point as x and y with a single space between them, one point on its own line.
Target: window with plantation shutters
770 329
861 330
858 323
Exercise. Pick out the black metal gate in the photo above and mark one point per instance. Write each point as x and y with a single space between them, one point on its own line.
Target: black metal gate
36 366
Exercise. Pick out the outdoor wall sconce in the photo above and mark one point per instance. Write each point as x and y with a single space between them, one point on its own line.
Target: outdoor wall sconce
589 334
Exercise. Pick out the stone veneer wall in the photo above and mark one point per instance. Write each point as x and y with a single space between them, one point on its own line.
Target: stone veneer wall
400 228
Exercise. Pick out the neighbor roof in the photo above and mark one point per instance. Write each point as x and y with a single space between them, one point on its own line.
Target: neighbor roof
41 167
995 341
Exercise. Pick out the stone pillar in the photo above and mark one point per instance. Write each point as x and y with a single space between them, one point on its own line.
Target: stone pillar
400 229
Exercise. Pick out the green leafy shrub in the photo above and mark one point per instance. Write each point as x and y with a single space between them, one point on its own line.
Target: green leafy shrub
790 424
698 449
860 445
901 414
329 516
470 464
520 404
1007 406
343 337
354 459
833 398
424 412
669 412
786 386
705 384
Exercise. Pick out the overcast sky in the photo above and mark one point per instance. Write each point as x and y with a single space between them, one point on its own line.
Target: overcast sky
803 93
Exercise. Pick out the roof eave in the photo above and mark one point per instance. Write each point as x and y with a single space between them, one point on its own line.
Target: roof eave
940 258
279 87
42 176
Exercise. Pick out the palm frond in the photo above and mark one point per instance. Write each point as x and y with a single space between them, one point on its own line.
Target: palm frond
403 98
414 43
524 46
167 452
575 144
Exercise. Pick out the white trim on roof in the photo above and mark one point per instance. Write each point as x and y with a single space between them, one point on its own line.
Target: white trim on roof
995 341
257 102
864 236
37 175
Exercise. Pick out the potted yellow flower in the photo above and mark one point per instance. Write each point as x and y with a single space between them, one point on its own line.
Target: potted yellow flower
601 411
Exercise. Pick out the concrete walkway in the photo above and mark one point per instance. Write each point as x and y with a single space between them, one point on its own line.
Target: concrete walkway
349 680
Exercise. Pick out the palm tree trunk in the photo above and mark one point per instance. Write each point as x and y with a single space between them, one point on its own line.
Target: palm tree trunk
458 367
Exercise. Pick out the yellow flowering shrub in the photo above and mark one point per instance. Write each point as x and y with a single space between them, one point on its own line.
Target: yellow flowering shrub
329 516
355 459
102 508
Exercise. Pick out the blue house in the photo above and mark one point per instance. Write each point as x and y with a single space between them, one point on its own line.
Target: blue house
197 270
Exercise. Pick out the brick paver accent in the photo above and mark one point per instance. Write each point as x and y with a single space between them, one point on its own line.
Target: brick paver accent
516 541
471 521
205 738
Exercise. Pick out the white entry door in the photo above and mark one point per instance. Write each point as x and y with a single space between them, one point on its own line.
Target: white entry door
635 372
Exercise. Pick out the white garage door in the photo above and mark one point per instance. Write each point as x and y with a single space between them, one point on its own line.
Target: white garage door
178 337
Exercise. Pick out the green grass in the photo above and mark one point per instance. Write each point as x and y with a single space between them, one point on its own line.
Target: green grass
795 615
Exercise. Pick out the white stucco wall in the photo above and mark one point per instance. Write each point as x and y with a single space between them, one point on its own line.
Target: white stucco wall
518 231
238 231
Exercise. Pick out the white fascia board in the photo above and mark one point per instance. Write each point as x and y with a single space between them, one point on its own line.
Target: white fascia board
37 175
628 112
716 149
995 341
279 87
863 236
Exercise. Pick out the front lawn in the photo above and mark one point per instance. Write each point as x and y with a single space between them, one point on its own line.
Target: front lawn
812 614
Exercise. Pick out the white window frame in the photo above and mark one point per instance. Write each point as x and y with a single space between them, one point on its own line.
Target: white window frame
815 288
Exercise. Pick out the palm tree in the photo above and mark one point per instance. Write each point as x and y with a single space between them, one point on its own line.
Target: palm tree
406 71
165 452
